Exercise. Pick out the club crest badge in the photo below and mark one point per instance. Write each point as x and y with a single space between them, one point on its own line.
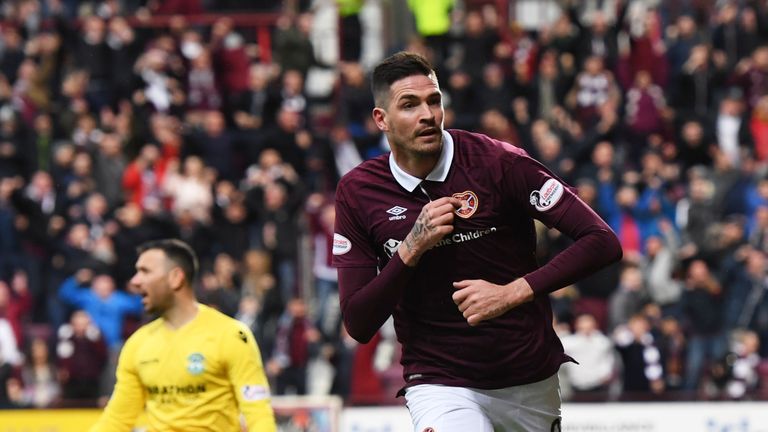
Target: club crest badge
390 247
468 204
196 364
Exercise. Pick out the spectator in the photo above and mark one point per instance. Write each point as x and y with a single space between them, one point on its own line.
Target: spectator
549 86
202 91
124 45
232 228
433 23
218 147
292 45
659 268
355 98
251 108
92 55
322 218
346 154
16 304
752 75
703 318
672 344
13 52
190 189
230 61
296 337
641 358
352 29
40 377
696 213
596 356
9 347
692 94
745 358
477 44
731 128
684 36
6 382
108 308
220 287
143 179
82 356
758 126
109 164
593 87
645 109
493 91
629 298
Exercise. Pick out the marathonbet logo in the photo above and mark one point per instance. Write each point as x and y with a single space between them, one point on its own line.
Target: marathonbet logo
397 213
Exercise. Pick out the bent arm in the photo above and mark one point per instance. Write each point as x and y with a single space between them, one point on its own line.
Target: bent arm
368 299
71 293
595 246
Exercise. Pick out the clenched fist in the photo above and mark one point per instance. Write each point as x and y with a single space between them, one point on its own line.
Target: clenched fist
433 223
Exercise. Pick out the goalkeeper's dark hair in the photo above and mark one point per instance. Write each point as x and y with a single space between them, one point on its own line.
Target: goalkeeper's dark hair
178 252
396 67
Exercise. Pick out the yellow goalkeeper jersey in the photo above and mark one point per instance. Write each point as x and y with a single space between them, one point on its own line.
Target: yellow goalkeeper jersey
198 377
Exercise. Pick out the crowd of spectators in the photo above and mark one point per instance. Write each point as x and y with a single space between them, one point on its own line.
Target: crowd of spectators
114 132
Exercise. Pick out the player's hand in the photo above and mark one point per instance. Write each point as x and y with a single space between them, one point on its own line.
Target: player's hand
479 300
432 224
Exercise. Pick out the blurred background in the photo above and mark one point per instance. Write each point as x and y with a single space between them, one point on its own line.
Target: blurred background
227 123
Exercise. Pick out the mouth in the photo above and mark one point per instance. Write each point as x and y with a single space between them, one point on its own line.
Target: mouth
429 132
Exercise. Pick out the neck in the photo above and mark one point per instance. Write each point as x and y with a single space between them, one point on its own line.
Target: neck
183 311
417 165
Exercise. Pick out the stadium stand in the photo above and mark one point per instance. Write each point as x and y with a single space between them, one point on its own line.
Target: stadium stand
228 123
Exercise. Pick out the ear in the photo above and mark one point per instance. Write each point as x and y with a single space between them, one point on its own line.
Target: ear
176 278
380 118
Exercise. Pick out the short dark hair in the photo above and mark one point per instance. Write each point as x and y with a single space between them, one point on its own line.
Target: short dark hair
176 251
396 67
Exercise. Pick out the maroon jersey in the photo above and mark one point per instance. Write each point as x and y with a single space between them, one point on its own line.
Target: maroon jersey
502 190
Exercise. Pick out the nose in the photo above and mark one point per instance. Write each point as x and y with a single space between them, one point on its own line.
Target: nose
427 113
134 284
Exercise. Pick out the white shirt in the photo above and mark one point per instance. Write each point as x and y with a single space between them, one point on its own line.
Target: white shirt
9 351
596 358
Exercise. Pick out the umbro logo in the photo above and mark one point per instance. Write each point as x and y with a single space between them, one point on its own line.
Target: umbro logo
397 213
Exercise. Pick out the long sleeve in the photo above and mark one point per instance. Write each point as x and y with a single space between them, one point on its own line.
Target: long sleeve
130 303
249 382
367 299
594 247
128 397
534 187
72 294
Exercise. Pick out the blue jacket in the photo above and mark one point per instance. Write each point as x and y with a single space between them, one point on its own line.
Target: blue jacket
108 314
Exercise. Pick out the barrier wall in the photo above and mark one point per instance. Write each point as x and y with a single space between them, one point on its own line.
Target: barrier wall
326 415
606 417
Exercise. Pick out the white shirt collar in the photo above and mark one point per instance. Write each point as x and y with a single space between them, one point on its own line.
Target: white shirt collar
439 173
